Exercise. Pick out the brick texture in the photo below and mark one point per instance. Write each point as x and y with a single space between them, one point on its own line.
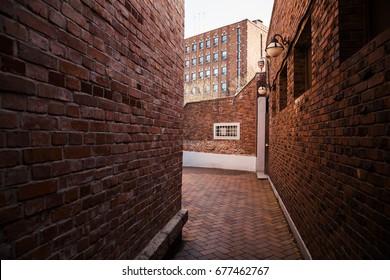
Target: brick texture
329 146
199 119
90 118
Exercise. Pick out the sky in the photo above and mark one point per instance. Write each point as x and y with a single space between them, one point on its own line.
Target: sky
205 15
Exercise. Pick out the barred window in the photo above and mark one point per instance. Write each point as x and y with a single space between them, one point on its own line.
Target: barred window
228 131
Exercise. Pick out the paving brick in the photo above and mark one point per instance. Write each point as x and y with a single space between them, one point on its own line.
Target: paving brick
232 215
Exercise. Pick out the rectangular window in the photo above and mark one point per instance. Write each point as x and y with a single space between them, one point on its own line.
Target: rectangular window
201 45
194 47
227 131
215 88
223 87
193 76
302 62
215 41
215 57
223 70
283 88
224 39
187 77
200 60
208 73
187 63
207 88
194 62
208 43
187 49
224 55
200 74
207 58
215 72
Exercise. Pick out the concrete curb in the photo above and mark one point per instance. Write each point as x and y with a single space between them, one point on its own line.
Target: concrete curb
159 246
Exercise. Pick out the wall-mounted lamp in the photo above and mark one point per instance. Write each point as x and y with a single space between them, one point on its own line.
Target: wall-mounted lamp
275 48
262 83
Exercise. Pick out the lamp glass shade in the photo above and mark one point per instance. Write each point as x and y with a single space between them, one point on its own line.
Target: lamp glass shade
274 49
261 63
262 90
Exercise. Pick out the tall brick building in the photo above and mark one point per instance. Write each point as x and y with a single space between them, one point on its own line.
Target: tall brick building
329 124
220 62
90 117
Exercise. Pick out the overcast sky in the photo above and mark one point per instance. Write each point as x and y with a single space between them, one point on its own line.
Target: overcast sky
204 15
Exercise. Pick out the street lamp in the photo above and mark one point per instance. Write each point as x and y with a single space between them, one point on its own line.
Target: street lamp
274 49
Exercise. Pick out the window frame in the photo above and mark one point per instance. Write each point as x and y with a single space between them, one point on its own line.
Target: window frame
218 136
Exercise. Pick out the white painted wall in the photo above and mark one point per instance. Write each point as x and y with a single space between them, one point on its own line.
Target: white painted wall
261 110
209 160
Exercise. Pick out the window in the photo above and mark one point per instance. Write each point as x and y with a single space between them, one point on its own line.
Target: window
283 88
187 49
201 45
208 43
207 58
215 88
215 57
224 39
302 62
223 87
200 60
194 47
215 72
227 131
224 55
187 77
193 76
193 90
207 88
187 63
194 62
215 41
200 74
208 73
223 70
360 23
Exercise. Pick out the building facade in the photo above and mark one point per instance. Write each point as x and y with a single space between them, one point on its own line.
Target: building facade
220 62
91 133
329 125
222 133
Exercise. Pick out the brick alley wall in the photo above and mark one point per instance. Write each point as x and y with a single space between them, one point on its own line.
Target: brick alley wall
90 118
199 119
329 147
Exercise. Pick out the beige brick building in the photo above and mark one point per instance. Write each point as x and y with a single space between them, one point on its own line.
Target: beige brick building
220 62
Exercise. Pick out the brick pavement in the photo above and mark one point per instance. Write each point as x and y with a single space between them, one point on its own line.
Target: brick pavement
232 215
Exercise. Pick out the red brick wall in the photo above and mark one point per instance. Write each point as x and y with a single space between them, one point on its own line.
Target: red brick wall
329 148
199 119
90 118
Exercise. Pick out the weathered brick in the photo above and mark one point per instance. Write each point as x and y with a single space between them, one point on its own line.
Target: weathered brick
8 119
29 53
73 69
77 152
9 158
17 84
43 154
13 66
34 190
37 122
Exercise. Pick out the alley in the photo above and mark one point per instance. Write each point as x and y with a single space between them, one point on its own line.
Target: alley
232 215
